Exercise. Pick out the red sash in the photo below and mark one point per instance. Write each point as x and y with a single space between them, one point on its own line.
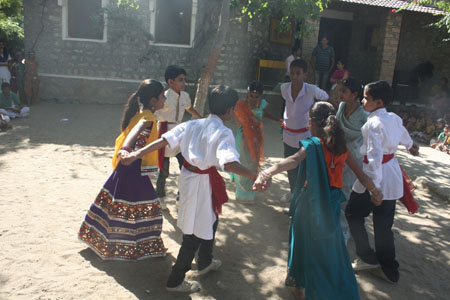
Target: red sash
408 187
163 126
294 130
219 192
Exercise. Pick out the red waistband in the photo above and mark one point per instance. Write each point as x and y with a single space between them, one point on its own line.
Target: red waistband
166 122
219 192
386 158
197 170
294 130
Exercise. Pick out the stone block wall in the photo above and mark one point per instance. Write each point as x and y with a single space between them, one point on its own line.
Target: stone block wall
420 43
87 71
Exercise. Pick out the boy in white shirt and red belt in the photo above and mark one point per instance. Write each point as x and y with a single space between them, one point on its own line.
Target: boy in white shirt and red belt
299 97
382 134
177 101
205 144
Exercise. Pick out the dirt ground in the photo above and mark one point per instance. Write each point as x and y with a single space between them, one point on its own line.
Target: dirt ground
53 164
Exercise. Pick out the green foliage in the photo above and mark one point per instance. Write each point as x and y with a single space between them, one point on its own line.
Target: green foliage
443 24
11 23
289 11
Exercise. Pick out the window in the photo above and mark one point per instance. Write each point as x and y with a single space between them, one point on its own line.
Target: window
173 22
83 20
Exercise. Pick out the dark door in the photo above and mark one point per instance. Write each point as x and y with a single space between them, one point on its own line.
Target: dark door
339 33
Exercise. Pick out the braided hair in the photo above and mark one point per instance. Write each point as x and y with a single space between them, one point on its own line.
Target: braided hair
323 115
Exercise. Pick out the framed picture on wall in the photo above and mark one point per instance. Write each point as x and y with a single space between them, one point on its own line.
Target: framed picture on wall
276 36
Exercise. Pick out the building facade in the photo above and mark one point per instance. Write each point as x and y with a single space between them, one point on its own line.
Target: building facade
88 51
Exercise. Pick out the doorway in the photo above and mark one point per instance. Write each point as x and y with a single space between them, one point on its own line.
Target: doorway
339 33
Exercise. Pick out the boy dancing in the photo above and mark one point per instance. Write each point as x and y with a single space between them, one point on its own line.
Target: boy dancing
382 134
177 101
205 144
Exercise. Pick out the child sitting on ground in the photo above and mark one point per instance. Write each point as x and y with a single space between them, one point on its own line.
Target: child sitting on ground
205 144
10 104
441 136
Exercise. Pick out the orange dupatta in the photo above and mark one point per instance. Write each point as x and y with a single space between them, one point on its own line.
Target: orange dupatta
251 128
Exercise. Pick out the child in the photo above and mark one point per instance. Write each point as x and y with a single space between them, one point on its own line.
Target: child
299 97
10 104
336 80
177 101
441 137
205 144
296 53
318 259
125 221
351 117
19 73
31 79
249 114
382 134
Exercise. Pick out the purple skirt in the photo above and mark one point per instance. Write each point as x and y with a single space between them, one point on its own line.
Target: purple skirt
125 221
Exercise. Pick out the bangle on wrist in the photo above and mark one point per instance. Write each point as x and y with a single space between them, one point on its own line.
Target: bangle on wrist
128 149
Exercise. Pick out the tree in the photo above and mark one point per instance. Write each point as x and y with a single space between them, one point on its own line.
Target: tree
443 24
444 21
290 11
11 22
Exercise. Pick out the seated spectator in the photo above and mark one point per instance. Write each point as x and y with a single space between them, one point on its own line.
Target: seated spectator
441 138
336 79
10 104
438 129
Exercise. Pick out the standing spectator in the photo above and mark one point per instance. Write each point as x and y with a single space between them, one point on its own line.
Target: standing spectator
5 63
296 53
322 62
17 76
31 79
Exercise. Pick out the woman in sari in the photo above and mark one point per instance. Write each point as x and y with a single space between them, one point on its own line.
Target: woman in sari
351 117
125 221
249 113
318 263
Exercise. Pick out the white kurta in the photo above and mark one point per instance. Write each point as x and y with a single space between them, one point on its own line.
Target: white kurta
170 113
204 143
296 111
382 134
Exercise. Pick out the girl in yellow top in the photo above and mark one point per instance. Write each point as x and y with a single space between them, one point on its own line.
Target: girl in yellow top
125 221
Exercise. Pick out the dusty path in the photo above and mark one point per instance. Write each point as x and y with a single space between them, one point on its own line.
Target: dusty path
51 171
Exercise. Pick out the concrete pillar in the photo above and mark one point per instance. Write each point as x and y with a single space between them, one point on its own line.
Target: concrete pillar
387 50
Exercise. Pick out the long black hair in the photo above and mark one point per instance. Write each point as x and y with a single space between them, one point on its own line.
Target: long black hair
354 86
148 89
323 115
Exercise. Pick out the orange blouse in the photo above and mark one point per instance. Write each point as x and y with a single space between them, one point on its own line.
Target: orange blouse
335 165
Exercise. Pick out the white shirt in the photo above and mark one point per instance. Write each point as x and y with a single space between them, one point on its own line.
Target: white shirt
169 113
288 61
382 134
296 111
204 143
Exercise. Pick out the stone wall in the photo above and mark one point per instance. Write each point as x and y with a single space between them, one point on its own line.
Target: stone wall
107 72
420 43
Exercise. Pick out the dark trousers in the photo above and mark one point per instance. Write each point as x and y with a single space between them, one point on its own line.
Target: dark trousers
359 207
292 174
190 245
164 173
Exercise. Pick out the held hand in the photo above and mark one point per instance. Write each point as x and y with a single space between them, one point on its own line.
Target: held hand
262 182
122 154
376 197
414 150
129 158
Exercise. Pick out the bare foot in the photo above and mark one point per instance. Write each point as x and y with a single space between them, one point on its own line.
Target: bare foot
298 292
